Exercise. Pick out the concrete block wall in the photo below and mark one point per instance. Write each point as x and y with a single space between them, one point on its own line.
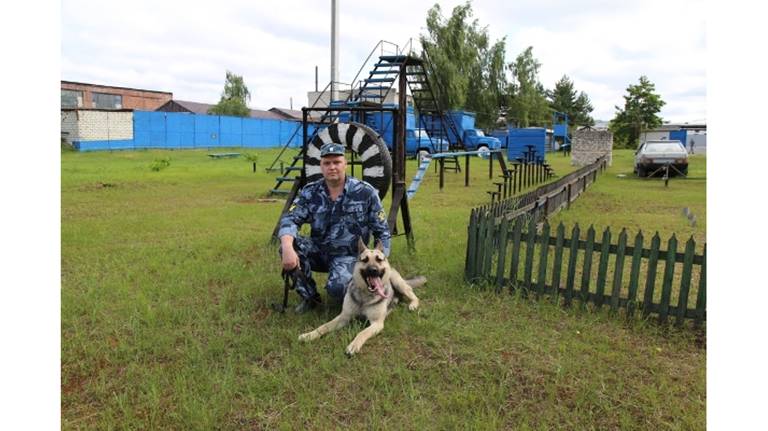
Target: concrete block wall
69 126
589 144
104 125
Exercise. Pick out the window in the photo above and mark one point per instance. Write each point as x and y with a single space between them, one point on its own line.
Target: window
71 99
107 101
661 147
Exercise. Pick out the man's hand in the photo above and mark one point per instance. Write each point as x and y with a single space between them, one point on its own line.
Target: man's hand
290 258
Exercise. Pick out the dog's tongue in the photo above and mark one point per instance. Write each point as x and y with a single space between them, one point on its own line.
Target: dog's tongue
376 283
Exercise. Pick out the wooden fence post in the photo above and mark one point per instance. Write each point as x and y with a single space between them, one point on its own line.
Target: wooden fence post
602 268
529 250
669 272
515 259
618 271
543 253
650 280
685 281
504 228
571 274
634 274
586 272
471 234
558 262
701 297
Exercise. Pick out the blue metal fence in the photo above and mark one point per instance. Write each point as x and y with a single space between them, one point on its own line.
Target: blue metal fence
176 130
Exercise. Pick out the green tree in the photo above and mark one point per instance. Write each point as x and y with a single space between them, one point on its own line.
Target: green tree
528 104
563 98
641 104
234 98
467 70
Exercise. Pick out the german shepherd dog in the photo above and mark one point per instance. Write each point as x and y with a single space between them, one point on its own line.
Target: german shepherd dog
370 293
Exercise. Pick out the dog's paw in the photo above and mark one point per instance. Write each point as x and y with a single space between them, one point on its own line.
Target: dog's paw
352 349
309 336
413 305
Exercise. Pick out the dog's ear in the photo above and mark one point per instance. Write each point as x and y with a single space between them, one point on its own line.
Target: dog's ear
360 246
379 246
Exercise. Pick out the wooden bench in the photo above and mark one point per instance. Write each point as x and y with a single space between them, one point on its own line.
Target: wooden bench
223 155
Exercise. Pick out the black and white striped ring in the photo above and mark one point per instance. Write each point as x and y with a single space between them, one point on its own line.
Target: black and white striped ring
363 141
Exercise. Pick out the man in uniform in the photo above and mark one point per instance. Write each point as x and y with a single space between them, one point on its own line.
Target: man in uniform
340 209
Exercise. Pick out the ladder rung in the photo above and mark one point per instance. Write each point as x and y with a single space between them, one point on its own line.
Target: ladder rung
279 192
287 178
380 80
392 58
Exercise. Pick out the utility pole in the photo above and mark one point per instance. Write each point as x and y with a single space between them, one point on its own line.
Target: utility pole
334 50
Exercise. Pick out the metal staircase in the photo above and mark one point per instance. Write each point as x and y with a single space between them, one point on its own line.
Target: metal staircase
373 91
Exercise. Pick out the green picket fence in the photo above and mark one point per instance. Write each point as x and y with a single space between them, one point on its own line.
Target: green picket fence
516 252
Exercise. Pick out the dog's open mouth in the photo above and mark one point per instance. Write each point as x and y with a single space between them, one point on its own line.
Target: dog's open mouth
373 280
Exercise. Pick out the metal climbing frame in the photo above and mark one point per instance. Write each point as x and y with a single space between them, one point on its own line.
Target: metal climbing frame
399 198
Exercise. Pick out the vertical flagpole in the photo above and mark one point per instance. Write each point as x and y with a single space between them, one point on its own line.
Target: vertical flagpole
334 50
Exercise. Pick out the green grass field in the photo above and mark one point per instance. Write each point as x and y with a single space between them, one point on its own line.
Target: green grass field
167 279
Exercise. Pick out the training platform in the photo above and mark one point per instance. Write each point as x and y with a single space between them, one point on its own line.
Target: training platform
223 155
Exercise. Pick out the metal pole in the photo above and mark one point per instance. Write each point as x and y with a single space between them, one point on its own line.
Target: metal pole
466 170
442 173
490 167
334 49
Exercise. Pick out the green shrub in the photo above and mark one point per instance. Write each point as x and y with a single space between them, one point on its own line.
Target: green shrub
252 158
66 146
160 164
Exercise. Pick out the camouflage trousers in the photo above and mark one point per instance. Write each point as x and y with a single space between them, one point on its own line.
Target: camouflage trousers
311 258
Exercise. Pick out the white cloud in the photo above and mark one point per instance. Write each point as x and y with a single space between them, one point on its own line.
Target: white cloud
185 47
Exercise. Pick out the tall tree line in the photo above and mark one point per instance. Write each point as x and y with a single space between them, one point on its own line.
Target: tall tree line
471 73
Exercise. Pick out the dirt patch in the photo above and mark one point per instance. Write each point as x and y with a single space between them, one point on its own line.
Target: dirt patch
97 186
256 200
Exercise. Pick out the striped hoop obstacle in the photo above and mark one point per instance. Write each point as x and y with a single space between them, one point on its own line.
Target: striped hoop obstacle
363 141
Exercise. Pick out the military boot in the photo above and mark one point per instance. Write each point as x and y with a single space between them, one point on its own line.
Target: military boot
307 304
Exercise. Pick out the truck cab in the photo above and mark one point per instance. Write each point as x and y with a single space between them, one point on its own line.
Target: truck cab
475 140
417 141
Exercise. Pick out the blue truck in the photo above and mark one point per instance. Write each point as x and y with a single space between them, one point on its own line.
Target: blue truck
417 141
474 139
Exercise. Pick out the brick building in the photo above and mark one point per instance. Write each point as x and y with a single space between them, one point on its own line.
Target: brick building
93 96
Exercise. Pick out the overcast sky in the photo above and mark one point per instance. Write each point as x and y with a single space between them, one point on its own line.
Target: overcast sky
185 47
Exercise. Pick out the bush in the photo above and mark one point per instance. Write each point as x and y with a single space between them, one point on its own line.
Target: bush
160 164
251 158
66 146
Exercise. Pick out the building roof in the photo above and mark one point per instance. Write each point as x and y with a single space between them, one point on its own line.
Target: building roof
678 126
115 86
294 114
288 113
202 108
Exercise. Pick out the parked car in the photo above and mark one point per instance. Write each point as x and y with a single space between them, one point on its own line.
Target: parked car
653 155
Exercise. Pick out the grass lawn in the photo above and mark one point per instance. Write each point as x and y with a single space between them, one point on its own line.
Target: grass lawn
167 279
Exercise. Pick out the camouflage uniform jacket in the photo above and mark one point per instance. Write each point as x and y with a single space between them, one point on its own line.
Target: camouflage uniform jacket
336 226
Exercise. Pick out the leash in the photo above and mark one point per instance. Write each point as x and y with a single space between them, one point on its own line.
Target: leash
290 278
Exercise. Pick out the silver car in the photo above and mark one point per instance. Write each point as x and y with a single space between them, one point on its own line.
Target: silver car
653 155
